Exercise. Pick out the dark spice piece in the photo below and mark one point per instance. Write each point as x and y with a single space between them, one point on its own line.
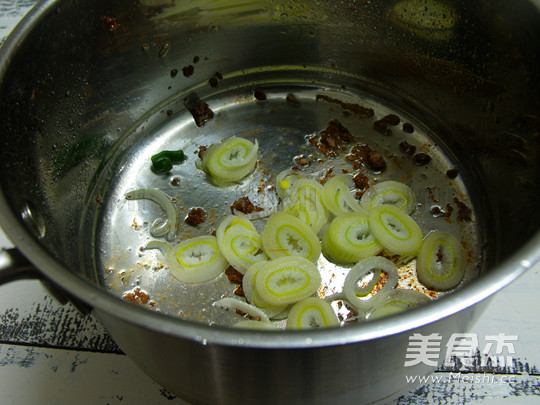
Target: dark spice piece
245 206
110 23
174 72
359 110
407 148
381 126
199 109
291 98
188 70
259 94
391 119
169 113
233 275
213 82
138 296
195 217
331 139
421 159
375 160
361 182
364 155
239 291
196 59
408 128
301 161
464 212
452 173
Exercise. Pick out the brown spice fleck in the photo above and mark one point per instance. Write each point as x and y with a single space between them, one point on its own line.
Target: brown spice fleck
174 72
201 113
359 110
213 82
421 159
188 70
291 98
331 139
408 128
301 161
202 151
175 181
452 173
164 49
245 206
259 94
195 216
361 182
464 212
239 291
407 148
364 155
196 59
137 296
233 275
110 23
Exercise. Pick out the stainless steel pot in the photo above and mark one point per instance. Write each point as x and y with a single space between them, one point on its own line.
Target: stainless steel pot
84 84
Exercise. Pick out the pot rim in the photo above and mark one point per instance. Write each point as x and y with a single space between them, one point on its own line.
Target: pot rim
101 301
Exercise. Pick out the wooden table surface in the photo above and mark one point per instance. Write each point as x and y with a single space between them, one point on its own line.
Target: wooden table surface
51 354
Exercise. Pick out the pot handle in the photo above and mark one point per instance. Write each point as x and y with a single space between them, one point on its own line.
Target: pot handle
15 266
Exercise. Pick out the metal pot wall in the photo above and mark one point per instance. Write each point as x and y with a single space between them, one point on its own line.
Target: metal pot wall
81 82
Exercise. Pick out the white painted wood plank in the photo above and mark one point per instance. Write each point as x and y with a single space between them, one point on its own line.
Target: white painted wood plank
30 375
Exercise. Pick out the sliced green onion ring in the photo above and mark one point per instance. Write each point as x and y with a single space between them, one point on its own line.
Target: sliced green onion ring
337 196
362 269
286 235
284 181
348 239
312 313
251 310
306 203
257 325
398 301
248 286
231 160
390 193
160 226
395 230
441 263
239 242
196 260
287 280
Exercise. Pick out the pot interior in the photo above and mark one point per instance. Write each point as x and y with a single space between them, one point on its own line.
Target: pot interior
82 117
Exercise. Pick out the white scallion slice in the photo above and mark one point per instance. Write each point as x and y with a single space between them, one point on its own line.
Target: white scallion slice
231 160
398 301
196 260
395 230
389 193
286 235
287 280
255 325
306 203
361 270
163 247
285 180
239 242
441 262
312 313
337 196
251 310
253 297
348 239
159 227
